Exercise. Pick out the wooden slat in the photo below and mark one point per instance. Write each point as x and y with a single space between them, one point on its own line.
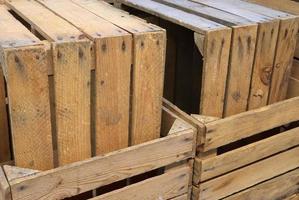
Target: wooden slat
29 106
293 88
71 67
286 45
90 174
276 188
13 173
295 69
228 130
182 197
4 186
215 166
190 21
248 176
4 134
147 86
72 96
175 183
215 67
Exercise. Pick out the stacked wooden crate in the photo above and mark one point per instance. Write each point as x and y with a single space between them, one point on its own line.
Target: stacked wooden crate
80 80
253 154
293 8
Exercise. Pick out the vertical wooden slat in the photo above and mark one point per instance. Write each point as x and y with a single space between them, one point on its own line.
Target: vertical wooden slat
71 62
113 64
4 134
286 45
28 94
148 77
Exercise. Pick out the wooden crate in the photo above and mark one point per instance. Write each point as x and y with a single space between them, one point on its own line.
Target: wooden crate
172 155
261 50
87 80
252 155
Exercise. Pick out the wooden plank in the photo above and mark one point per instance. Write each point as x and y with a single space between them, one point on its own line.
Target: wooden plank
190 21
4 133
4 186
246 177
175 183
147 86
231 160
276 188
240 69
293 88
182 197
29 105
72 95
71 68
215 67
295 69
99 171
286 45
228 130
13 173
14 34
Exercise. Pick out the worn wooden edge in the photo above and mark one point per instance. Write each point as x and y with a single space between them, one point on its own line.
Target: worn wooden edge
5 193
175 184
247 177
228 130
205 169
281 187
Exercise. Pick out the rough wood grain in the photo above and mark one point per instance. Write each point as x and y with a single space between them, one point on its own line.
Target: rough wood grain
86 175
4 134
218 165
246 177
175 183
228 130
29 105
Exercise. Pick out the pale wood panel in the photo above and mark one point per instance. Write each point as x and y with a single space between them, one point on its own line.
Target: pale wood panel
277 188
190 21
240 69
215 166
4 186
103 170
4 133
113 66
175 183
28 93
14 34
147 86
246 177
72 96
215 68
286 45
228 130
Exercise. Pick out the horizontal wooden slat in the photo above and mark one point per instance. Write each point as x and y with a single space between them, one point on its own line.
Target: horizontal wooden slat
276 188
174 182
86 175
248 176
246 124
190 21
215 166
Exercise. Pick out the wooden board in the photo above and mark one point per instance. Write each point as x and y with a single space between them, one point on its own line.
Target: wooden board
295 69
175 183
276 188
103 170
221 164
5 154
228 130
293 88
29 104
246 177
4 186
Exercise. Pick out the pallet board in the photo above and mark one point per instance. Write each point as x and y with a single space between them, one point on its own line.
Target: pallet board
103 170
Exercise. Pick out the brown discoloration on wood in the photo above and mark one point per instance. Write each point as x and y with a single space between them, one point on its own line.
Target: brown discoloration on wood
28 94
72 97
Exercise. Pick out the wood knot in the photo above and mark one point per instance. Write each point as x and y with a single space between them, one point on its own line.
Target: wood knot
266 75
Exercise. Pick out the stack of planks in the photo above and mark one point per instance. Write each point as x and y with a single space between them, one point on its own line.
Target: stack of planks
245 69
87 80
293 8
